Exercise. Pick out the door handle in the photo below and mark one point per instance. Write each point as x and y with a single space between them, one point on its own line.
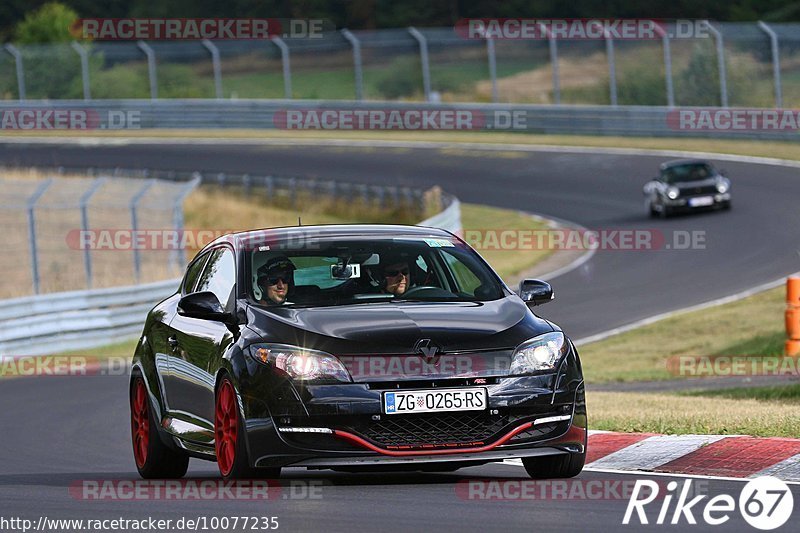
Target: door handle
172 341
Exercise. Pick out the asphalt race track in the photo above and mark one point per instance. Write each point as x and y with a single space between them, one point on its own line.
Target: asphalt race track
59 430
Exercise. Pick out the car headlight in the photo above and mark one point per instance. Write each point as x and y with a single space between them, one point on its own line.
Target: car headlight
540 353
673 192
300 363
723 186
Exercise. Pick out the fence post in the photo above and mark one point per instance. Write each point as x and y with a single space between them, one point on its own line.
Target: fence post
723 81
359 76
137 265
84 201
215 65
151 68
612 68
179 257
776 62
667 65
423 56
287 68
32 231
17 55
84 55
492 67
553 45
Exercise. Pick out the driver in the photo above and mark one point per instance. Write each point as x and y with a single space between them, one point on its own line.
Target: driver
275 278
396 276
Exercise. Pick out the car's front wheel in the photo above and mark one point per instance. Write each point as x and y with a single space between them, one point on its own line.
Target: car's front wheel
560 466
229 440
153 458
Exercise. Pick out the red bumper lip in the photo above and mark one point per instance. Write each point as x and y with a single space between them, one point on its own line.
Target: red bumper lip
405 453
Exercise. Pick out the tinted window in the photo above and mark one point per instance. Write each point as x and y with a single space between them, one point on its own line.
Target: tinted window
377 270
193 272
219 275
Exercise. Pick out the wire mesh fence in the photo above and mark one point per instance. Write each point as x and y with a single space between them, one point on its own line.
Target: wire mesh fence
52 227
735 64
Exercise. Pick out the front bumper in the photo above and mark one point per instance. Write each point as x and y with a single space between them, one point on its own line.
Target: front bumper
685 202
344 425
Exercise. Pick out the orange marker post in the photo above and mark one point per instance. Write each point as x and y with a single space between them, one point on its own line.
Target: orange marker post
792 316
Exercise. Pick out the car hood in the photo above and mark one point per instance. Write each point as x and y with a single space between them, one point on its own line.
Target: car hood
395 328
710 182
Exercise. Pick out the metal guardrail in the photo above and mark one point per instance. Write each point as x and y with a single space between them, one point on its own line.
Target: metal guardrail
652 121
57 322
50 323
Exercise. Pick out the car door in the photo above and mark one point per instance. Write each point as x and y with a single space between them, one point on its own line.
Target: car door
197 343
162 336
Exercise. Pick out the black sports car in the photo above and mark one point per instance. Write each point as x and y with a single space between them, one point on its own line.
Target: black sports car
686 185
352 347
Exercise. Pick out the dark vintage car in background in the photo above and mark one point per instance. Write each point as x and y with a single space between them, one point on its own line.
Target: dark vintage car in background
686 185
451 370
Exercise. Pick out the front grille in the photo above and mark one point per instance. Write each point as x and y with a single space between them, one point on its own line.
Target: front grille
434 429
693 191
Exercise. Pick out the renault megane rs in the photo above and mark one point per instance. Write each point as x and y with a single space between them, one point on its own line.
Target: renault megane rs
353 347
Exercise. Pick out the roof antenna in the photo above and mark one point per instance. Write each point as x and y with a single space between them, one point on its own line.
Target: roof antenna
299 222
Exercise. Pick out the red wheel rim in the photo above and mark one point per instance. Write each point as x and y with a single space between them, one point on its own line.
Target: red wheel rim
140 423
226 427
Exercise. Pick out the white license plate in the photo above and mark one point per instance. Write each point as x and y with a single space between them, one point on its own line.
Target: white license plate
701 201
434 401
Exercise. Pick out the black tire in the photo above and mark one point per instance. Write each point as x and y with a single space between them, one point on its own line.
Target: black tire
226 417
559 466
666 212
649 208
153 458
726 205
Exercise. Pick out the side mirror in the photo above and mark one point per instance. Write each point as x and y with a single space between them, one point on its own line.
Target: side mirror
205 306
535 292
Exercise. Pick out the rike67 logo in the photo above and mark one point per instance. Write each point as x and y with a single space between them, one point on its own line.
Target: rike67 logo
765 503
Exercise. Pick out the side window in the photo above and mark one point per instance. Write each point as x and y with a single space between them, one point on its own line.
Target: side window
219 275
192 273
466 280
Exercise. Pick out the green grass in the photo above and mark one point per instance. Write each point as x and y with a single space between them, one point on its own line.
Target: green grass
781 393
643 353
705 415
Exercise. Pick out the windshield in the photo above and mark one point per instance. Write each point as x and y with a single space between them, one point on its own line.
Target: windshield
363 271
688 172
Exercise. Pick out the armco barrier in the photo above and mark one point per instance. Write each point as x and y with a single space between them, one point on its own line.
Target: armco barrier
50 323
653 121
57 322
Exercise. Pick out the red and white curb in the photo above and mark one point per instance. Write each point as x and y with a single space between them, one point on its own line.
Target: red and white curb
729 456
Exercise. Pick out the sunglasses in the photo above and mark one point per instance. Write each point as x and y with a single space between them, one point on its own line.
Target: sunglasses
395 273
274 280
